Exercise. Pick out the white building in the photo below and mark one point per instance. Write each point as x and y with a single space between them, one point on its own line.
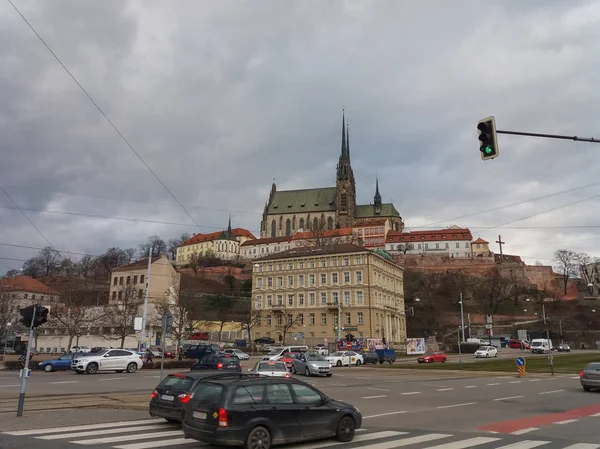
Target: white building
453 242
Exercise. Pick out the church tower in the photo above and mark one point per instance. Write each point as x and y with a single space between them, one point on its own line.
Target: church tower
345 185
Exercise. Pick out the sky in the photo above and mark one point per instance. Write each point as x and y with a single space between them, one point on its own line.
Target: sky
220 98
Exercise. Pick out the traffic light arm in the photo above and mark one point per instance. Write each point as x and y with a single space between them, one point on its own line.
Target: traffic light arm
550 136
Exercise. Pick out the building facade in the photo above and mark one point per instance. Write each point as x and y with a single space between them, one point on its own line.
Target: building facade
289 211
372 233
223 244
301 291
454 242
480 248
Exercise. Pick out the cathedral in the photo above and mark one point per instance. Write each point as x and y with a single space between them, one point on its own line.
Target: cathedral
289 211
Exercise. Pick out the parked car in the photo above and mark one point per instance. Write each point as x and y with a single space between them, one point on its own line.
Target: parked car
237 352
276 352
218 362
117 360
174 391
262 412
62 363
486 351
270 369
322 349
590 376
518 344
540 346
80 349
563 347
344 358
199 351
370 357
311 364
288 359
433 357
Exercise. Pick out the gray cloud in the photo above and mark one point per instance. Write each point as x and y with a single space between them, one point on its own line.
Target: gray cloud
219 98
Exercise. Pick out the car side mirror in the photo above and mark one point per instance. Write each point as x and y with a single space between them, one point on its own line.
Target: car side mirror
249 370
105 355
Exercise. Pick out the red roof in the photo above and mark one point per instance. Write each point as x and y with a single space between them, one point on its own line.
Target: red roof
436 235
480 240
199 238
283 239
25 284
138 264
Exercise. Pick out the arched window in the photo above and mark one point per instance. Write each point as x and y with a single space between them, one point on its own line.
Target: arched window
301 224
294 223
288 227
330 223
273 228
315 224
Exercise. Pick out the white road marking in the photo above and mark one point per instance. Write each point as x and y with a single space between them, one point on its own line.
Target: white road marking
597 415
136 436
510 397
163 443
465 443
575 377
360 378
141 422
9 386
358 439
495 383
151 377
534 380
522 431
444 389
457 405
377 389
566 421
525 444
470 386
550 392
111 378
384 414
516 382
411 392
583 446
375 397
66 382
93 433
407 441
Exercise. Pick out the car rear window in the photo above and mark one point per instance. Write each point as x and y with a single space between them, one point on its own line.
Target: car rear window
177 383
229 360
249 394
272 366
593 366
208 392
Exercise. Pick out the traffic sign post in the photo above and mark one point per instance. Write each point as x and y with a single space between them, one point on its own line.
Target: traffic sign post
348 345
521 366
348 348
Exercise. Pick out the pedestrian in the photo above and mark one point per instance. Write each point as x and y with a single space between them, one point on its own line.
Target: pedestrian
149 356
180 354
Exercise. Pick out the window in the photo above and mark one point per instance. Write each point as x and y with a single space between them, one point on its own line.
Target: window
268 317
121 280
359 318
346 262
437 246
114 295
301 265
290 266
323 263
335 320
269 282
259 302
358 276
311 279
334 297
311 318
300 318
128 280
323 318
249 394
279 281
357 261
347 298
116 281
270 267
359 297
141 278
135 279
279 320
278 393
301 223
447 245
301 280
311 299
269 300
303 394
323 278
426 245
259 283
347 318
457 245
290 318
290 281
346 276
291 300
279 300
323 298
467 245
120 294
334 278
301 299
140 293
280 267
312 264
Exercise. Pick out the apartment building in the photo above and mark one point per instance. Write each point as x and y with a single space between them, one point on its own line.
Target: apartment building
453 241
297 295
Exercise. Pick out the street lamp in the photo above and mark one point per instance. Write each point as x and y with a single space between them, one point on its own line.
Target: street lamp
590 287
462 318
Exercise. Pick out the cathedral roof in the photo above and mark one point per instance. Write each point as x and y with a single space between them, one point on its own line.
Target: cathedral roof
367 211
303 201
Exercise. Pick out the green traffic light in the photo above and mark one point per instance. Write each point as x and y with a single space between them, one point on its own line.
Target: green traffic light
487 150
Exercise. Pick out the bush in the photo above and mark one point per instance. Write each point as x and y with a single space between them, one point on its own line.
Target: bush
466 348
16 365
170 364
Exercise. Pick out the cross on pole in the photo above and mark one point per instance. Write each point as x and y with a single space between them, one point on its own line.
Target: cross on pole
500 243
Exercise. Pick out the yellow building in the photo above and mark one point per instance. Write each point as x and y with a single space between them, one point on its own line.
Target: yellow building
303 290
223 244
480 248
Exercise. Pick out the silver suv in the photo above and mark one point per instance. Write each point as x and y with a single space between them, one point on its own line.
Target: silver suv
311 363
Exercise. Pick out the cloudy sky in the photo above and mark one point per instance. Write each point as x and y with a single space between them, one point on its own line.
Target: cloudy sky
221 97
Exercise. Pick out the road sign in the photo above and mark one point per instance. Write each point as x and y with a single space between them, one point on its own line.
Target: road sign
348 345
521 371
520 361
488 319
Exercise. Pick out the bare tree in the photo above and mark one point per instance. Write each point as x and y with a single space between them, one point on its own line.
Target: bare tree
8 306
45 263
155 245
406 247
114 257
12 273
567 264
173 244
250 321
120 313
74 314
287 323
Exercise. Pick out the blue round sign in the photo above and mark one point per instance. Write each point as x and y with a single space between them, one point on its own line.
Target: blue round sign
520 361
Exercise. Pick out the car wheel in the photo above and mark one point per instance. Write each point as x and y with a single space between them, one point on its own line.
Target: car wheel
92 368
420 361
307 372
258 438
119 371
496 355
132 368
443 360
374 362
358 363
587 389
345 429
431 361
48 368
487 356
294 370
339 363
79 372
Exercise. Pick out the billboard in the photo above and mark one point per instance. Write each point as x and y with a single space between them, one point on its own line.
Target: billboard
415 345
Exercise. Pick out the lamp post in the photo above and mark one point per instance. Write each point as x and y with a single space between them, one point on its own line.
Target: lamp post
462 318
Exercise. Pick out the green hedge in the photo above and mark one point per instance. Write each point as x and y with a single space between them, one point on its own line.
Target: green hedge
16 365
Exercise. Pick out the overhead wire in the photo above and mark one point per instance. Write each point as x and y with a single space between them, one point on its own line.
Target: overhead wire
105 116
25 215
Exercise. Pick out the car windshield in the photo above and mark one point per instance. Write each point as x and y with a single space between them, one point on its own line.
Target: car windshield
177 383
431 353
485 348
315 357
275 351
266 366
536 343
337 354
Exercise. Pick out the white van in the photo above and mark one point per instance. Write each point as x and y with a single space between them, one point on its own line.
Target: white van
540 346
277 352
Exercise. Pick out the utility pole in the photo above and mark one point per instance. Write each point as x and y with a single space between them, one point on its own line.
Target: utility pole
145 315
462 318
25 371
339 337
549 342
459 348
500 243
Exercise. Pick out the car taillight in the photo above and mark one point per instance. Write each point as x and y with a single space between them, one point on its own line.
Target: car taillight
580 374
154 394
184 398
223 422
219 365
287 375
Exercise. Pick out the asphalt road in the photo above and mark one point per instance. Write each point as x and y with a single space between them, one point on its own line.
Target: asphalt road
462 406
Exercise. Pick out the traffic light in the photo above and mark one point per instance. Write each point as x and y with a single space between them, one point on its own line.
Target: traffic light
37 314
488 140
41 316
26 316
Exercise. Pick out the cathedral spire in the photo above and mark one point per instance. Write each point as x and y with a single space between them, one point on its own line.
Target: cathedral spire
344 146
348 140
377 194
229 225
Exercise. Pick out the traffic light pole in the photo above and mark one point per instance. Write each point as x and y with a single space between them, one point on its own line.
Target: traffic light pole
25 370
550 136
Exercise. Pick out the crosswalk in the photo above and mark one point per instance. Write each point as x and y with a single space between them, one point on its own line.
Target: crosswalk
156 433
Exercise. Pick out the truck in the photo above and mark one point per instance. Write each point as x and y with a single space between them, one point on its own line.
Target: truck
540 346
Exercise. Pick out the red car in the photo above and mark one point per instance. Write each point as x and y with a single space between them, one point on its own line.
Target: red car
433 357
518 344
288 359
